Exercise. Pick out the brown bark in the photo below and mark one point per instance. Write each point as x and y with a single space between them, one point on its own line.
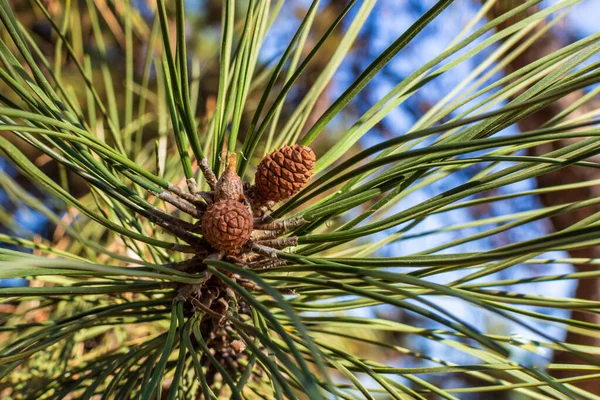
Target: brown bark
586 288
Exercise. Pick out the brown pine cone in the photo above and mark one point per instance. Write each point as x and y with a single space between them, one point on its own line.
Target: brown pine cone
227 225
284 172
229 186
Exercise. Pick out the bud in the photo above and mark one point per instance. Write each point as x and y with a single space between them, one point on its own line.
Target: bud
230 186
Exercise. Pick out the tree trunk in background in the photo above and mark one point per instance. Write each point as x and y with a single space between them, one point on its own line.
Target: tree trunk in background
586 288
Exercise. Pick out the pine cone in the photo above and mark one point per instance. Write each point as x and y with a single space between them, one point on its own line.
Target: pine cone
227 225
284 172
230 186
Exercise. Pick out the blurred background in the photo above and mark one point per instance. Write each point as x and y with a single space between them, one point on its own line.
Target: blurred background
389 19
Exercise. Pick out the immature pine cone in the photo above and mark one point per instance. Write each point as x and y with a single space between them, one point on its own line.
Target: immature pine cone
230 186
284 172
227 225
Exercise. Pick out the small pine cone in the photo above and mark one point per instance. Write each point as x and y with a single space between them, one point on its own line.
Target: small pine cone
227 225
284 172
229 186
